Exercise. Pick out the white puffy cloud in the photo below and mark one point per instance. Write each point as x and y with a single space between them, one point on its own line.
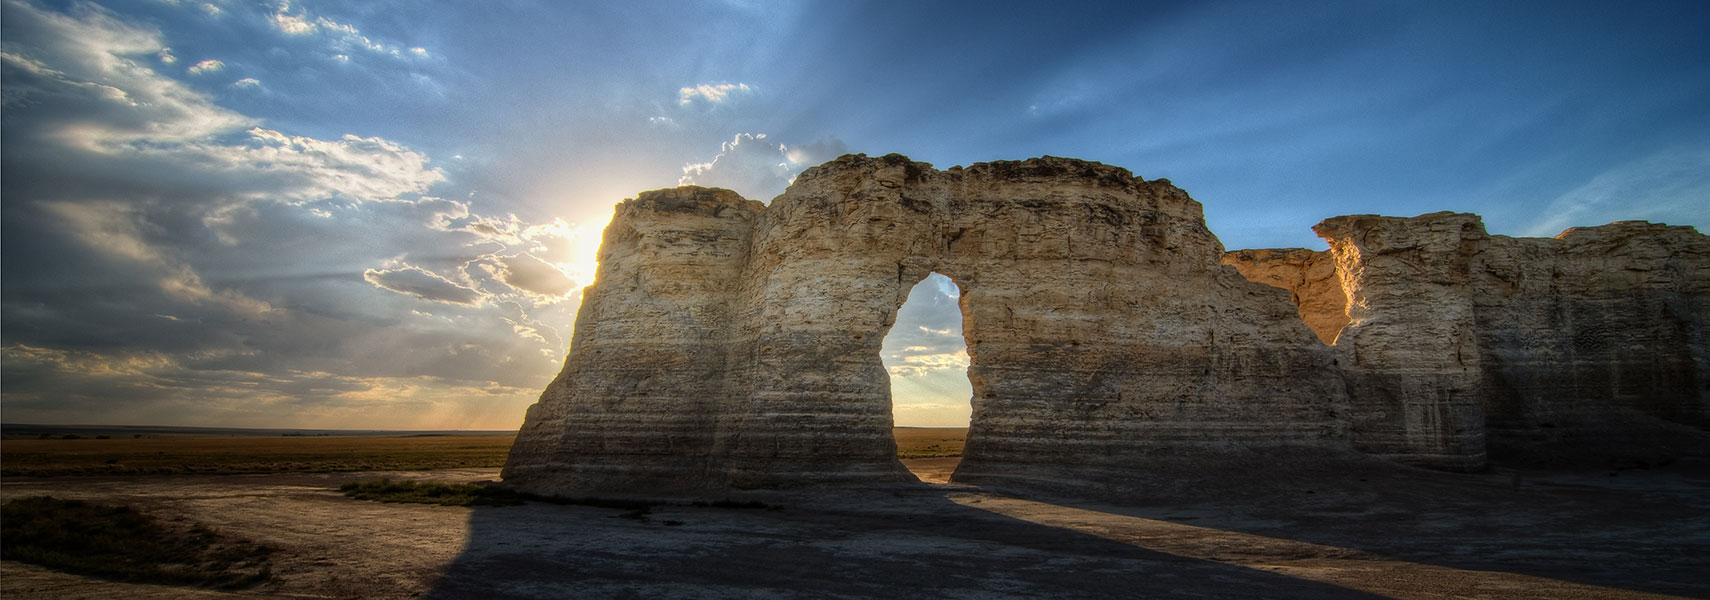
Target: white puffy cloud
247 82
713 93
748 164
819 151
421 283
206 66
342 36
292 24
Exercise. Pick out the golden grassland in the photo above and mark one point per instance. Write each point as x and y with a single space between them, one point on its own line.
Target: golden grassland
929 442
257 454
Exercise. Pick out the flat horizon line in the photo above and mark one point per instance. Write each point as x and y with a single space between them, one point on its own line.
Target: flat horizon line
202 428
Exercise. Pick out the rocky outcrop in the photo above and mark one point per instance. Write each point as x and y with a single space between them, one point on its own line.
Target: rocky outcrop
1594 342
1590 343
728 346
1410 346
1310 278
637 403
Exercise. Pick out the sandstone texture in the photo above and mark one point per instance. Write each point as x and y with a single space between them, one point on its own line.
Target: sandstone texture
731 345
1310 278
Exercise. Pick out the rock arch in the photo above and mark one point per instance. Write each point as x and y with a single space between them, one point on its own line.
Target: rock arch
728 344
731 344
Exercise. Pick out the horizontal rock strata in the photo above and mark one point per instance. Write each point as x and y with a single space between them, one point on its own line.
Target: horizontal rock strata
1310 278
729 345
725 345
1589 343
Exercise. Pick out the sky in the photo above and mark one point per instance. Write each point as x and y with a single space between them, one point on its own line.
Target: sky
381 214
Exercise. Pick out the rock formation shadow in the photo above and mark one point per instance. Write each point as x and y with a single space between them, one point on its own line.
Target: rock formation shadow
866 544
1271 536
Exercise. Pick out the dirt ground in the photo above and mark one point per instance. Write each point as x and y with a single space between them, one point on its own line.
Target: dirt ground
1373 532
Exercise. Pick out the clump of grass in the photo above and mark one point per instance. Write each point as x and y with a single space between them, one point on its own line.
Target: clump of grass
124 544
431 492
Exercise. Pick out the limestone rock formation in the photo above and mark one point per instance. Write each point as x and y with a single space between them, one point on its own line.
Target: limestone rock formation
725 345
1310 278
1410 342
728 344
1595 340
1592 342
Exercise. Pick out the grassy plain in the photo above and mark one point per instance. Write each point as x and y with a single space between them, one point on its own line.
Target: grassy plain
929 442
177 455
281 454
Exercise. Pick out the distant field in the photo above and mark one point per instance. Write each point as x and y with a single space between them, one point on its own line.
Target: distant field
259 454
929 442
252 454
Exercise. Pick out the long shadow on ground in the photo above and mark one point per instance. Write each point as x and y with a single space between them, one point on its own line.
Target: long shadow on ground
1367 533
866 544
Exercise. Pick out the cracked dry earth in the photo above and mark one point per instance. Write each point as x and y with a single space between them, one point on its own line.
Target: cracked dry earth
1369 531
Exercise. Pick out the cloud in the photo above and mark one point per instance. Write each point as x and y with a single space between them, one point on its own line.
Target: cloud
927 335
342 36
919 365
247 82
165 56
713 93
187 265
419 282
1672 186
292 24
81 87
533 275
206 66
748 164
812 154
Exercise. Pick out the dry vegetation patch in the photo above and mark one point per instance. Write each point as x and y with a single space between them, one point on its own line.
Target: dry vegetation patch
431 492
121 543
283 454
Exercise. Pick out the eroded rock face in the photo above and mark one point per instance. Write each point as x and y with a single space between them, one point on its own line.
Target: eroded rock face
732 345
1592 342
1595 341
1410 344
1310 278
729 346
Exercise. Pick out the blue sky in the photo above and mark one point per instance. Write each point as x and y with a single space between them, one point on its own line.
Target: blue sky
380 214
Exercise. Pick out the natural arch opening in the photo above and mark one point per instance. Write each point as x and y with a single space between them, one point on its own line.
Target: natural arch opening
927 360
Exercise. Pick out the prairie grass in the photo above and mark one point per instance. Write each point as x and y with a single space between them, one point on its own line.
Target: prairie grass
431 492
123 544
189 455
929 442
